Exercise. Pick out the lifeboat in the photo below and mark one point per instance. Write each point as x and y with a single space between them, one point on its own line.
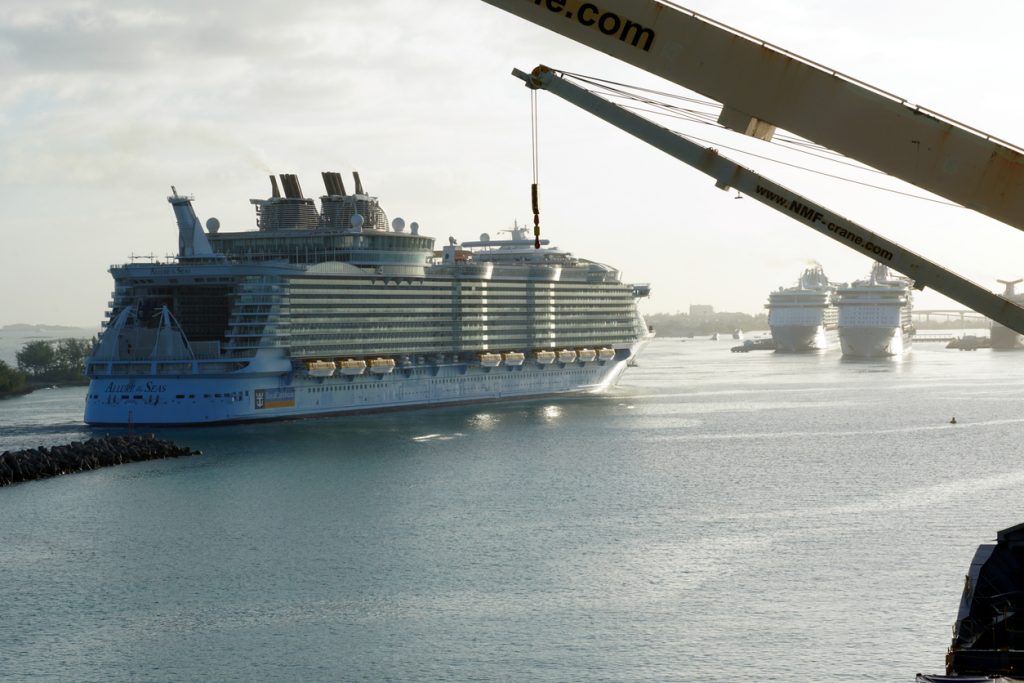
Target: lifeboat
514 358
587 355
605 354
566 356
490 360
320 368
351 366
545 357
382 366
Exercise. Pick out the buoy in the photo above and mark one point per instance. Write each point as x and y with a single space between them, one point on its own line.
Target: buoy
953 420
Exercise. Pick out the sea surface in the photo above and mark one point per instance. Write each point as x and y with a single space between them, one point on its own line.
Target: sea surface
716 517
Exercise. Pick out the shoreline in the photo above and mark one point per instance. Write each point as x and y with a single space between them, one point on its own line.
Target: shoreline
36 386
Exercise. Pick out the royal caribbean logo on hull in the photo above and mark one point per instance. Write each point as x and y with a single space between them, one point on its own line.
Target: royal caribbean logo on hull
274 398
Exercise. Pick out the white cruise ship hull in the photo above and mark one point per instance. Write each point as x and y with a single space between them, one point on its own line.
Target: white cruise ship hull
250 396
801 338
873 342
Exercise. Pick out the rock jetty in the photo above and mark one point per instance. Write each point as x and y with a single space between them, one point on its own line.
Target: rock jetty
42 463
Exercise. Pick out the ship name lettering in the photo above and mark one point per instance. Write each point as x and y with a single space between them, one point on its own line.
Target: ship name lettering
129 387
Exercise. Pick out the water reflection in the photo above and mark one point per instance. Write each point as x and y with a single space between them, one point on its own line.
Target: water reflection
551 414
484 421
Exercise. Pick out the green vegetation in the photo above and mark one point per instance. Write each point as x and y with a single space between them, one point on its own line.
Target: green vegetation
11 381
683 325
54 361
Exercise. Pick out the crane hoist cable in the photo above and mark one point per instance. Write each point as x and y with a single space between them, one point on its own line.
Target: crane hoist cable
658 103
536 169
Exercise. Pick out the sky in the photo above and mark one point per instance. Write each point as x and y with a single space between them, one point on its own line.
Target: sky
105 105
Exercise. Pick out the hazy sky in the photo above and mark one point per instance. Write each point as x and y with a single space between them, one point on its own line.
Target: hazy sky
104 105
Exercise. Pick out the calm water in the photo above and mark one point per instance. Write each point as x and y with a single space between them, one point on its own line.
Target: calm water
718 516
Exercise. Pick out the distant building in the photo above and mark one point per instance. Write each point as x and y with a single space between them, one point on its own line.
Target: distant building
701 311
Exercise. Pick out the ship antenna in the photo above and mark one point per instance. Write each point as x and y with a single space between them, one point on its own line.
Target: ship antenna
174 191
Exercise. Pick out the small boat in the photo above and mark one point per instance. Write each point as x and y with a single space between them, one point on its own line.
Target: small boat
490 360
767 344
514 358
715 337
382 366
737 334
351 366
320 368
545 357
566 356
605 354
970 342
587 355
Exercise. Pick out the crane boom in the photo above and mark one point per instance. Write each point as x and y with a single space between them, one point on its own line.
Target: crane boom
762 87
728 174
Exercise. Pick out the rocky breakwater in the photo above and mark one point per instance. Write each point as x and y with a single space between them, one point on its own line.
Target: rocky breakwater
41 463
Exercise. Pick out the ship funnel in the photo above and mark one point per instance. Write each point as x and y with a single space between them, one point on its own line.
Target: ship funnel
274 192
332 181
292 189
359 183
1011 286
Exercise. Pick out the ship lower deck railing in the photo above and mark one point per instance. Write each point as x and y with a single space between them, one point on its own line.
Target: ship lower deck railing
162 368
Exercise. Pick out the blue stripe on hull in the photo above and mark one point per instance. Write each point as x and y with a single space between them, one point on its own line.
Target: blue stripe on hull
220 400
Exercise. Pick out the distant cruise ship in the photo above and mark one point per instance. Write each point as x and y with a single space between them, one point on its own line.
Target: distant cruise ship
337 311
804 317
874 315
1002 337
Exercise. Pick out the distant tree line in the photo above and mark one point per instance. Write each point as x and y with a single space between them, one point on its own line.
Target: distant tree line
59 360
11 380
685 325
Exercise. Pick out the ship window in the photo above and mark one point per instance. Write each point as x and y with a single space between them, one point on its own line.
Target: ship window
180 396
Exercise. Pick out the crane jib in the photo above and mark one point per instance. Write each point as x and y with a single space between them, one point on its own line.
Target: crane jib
764 88
609 23
728 174
814 217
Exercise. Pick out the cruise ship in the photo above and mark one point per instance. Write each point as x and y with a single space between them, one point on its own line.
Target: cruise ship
1002 337
803 318
335 310
874 315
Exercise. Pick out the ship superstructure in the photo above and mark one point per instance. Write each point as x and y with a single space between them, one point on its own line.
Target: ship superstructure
875 315
804 318
337 310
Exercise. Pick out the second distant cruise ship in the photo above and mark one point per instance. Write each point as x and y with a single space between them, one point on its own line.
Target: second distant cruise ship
803 318
875 315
